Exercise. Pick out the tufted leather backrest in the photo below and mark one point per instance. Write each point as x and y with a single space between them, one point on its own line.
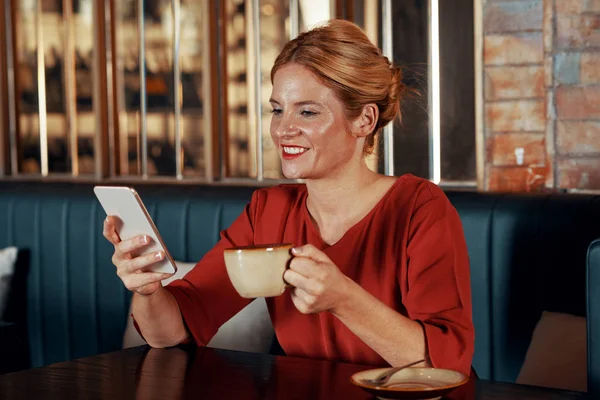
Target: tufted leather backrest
76 305
527 255
593 318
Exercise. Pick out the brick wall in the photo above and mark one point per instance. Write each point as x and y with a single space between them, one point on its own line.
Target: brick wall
541 94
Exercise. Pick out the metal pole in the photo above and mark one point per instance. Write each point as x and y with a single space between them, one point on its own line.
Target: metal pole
143 105
479 94
388 51
176 5
435 164
207 89
41 76
294 19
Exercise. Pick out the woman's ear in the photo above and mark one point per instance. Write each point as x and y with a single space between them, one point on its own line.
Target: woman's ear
366 122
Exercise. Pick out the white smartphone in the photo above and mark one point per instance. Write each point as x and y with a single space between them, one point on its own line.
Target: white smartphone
124 202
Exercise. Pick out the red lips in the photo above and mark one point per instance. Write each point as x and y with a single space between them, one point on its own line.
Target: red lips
297 151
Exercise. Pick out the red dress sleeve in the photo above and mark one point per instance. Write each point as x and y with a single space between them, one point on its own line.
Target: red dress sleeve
205 295
438 289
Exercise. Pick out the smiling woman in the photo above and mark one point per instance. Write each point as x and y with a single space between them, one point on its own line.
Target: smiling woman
357 74
322 100
309 120
380 273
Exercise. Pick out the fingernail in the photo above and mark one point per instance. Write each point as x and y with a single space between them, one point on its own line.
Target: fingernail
158 256
165 276
294 250
144 239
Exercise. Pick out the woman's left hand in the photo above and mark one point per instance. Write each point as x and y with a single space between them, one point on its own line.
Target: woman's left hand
318 284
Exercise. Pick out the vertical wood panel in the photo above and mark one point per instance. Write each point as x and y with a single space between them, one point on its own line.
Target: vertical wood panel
16 148
209 84
4 154
143 152
70 85
114 82
344 9
112 126
218 89
99 97
253 73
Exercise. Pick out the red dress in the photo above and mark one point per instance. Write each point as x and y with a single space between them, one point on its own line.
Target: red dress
409 252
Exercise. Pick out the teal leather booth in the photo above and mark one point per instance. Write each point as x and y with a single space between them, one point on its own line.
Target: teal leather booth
528 254
593 318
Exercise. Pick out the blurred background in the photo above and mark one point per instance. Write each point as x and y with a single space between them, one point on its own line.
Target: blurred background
177 90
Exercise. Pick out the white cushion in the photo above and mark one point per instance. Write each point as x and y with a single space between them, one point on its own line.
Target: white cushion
8 259
249 330
557 354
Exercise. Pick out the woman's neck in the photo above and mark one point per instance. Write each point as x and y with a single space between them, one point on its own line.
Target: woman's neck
327 196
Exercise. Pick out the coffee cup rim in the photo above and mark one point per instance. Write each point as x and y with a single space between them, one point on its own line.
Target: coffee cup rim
260 247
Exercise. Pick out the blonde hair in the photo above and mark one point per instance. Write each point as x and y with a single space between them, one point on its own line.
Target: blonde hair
343 57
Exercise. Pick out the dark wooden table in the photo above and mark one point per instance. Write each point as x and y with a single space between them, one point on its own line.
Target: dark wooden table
202 373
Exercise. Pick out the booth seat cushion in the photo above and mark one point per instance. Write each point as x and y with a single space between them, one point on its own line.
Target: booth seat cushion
8 260
557 355
527 256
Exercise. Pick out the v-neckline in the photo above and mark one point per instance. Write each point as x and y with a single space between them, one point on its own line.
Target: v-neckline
315 231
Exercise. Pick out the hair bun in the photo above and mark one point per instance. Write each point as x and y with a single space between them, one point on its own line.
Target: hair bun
391 110
397 86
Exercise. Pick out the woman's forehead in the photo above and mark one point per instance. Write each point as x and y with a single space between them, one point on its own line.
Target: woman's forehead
295 83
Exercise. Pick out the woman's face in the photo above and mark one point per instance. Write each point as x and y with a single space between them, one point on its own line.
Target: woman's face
309 127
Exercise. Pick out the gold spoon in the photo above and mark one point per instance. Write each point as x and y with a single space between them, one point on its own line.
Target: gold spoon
385 376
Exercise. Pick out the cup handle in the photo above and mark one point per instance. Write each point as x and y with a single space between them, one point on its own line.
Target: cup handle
287 285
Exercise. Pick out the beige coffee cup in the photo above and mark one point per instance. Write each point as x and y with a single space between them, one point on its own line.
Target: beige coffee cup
257 271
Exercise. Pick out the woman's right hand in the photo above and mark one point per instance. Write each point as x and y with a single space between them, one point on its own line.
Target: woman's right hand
131 269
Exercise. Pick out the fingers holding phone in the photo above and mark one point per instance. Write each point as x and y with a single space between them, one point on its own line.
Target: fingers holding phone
129 220
132 269
140 255
109 230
